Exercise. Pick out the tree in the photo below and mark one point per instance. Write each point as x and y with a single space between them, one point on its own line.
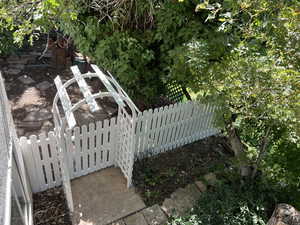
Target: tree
256 85
23 21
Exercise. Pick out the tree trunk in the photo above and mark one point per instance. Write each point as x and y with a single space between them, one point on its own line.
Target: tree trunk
285 214
239 152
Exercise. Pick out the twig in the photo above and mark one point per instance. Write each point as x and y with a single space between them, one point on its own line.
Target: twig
46 48
262 151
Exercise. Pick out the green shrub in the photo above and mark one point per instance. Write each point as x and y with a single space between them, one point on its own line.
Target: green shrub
230 204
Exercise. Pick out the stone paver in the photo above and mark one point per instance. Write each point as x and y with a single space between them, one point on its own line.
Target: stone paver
26 79
40 115
181 200
120 222
30 125
201 186
43 85
135 219
154 215
211 179
169 207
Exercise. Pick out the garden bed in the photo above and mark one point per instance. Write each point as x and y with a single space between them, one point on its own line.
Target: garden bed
155 178
49 208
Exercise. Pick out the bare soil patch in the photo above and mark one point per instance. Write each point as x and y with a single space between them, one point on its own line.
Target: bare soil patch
155 178
49 208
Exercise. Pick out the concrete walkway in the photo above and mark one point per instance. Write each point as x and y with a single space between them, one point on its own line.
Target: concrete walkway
179 203
103 197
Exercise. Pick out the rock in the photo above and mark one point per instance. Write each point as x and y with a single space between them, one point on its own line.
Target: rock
169 207
185 198
120 222
201 186
32 125
192 191
26 79
135 219
44 85
13 71
182 200
211 179
154 215
41 115
20 132
285 214
17 60
7 88
17 66
47 126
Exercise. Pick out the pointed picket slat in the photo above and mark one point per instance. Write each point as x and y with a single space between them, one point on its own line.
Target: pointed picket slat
114 142
38 161
54 149
78 153
84 149
30 163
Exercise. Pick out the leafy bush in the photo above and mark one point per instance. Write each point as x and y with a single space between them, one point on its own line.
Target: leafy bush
231 204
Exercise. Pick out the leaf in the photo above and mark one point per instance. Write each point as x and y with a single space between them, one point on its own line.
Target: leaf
201 6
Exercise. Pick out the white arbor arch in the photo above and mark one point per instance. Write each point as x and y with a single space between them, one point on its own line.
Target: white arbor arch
127 114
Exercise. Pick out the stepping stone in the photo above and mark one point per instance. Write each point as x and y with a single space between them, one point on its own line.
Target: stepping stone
41 115
17 66
201 186
185 198
13 71
17 60
31 125
120 222
111 202
44 85
154 215
192 191
169 207
26 79
135 219
181 200
211 179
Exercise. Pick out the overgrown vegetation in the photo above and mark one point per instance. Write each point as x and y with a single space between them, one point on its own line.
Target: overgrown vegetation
231 204
242 56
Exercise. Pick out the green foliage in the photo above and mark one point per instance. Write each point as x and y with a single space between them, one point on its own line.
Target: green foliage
231 204
145 57
240 55
23 21
256 83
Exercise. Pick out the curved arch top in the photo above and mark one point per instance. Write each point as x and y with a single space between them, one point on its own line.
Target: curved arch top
114 90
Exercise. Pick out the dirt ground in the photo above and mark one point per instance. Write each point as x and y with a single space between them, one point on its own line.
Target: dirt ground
155 178
50 208
29 82
30 88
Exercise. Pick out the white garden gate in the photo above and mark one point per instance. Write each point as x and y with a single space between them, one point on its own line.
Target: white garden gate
91 148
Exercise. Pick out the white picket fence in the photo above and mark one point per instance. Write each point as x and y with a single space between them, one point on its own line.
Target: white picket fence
93 147
89 148
169 127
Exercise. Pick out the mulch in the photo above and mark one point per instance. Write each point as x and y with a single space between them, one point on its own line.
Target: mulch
156 177
50 208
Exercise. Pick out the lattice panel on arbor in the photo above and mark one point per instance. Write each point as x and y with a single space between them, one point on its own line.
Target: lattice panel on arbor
174 92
